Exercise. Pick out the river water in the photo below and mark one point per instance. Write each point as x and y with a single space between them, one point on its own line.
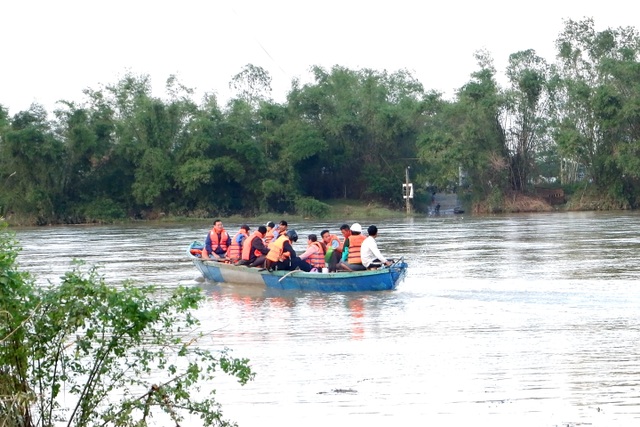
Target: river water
527 320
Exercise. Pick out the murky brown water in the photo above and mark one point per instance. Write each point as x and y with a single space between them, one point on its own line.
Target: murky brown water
512 320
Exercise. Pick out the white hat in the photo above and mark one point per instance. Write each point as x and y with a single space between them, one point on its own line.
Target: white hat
356 227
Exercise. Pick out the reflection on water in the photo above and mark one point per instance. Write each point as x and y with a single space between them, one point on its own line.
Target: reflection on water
507 320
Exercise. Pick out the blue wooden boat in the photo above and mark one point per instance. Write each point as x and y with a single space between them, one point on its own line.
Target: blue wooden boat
382 279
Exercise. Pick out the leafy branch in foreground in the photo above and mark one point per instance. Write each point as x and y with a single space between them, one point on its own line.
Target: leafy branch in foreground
86 353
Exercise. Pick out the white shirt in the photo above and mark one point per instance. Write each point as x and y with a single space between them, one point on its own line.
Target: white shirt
369 252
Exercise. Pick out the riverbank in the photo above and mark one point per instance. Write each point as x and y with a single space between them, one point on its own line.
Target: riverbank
585 200
342 210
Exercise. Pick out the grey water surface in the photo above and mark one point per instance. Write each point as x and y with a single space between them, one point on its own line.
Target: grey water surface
512 320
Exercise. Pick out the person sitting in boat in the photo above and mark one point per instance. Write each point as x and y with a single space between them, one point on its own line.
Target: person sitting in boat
351 260
281 252
334 249
283 226
313 258
369 252
271 233
217 242
345 230
253 249
234 253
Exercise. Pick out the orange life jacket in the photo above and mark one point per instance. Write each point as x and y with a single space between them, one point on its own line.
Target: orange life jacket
215 242
269 236
276 249
248 244
317 259
333 237
355 242
235 250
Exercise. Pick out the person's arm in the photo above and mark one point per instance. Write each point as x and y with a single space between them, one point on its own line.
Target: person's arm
376 252
207 246
260 246
310 251
288 248
345 254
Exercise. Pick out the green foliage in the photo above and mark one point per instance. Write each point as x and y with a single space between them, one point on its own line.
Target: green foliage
311 208
345 134
119 354
253 84
495 201
102 209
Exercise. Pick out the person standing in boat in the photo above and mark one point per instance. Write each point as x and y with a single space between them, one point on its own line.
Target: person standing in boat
217 242
254 250
351 260
281 252
369 252
235 249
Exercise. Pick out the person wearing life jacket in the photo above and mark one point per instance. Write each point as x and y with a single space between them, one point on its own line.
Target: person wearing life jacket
283 226
271 233
254 250
281 252
217 242
235 249
345 230
352 247
313 258
334 249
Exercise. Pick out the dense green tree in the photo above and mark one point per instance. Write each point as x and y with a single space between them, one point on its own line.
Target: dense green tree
595 94
5 170
526 114
252 84
368 120
36 159
466 137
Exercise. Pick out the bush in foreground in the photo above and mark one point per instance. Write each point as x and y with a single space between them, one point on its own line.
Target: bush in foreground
117 354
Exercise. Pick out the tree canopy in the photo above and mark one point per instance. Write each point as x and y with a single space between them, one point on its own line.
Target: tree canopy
345 134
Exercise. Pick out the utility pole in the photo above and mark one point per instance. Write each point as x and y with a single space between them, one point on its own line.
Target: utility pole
407 191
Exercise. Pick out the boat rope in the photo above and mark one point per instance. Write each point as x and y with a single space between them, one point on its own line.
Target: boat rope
291 272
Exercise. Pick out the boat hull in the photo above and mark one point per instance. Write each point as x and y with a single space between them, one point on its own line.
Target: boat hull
382 279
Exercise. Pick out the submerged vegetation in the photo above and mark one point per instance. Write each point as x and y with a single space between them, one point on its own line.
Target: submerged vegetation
348 134
84 353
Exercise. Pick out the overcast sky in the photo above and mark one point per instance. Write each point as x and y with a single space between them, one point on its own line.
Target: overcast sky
53 49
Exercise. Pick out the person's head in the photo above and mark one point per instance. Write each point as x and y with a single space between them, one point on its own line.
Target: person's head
283 226
312 238
245 227
292 235
217 224
356 228
262 230
270 225
326 236
345 230
372 231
